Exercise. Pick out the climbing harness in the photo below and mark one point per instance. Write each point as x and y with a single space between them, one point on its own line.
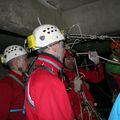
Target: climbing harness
88 106
30 101
45 68
48 61
17 80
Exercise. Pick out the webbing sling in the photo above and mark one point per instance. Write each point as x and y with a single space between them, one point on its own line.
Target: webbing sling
45 68
17 80
49 61
30 101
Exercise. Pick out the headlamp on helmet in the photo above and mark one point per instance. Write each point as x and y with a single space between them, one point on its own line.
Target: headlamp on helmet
11 52
43 36
31 42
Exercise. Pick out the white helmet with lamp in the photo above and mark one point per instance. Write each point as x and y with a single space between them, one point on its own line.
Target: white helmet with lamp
43 36
11 52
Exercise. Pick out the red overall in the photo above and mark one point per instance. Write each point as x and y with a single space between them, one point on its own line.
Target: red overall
77 98
11 97
46 96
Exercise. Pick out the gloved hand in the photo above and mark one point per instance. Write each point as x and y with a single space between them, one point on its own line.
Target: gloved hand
93 56
77 83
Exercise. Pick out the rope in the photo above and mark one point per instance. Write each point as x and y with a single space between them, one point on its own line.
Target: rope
76 67
115 62
89 107
91 37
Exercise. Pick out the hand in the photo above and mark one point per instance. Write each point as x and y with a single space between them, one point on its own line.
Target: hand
93 56
77 83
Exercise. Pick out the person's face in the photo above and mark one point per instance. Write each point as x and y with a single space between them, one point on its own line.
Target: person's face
23 62
59 50
70 62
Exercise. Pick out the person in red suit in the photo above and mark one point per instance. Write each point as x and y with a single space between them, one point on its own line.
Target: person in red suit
79 94
12 88
46 96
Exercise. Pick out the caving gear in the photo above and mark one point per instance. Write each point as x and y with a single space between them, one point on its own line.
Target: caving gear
23 86
12 99
11 52
44 36
94 76
17 80
48 86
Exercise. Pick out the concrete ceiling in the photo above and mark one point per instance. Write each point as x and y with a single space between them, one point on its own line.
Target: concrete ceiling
93 16
65 4
21 16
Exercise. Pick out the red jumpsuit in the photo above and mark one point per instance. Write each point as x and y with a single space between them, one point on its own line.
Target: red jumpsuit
76 98
11 97
46 96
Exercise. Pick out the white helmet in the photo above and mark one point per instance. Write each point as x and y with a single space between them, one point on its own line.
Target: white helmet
44 35
11 52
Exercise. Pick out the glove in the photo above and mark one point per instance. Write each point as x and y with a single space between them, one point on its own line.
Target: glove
93 56
77 83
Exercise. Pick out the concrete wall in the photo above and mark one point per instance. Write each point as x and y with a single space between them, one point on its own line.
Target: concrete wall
20 16
98 17
7 39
